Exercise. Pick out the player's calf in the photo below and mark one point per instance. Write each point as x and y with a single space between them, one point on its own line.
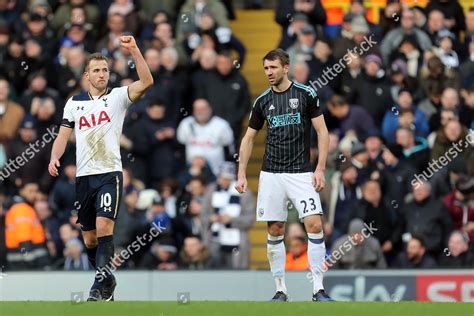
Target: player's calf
90 240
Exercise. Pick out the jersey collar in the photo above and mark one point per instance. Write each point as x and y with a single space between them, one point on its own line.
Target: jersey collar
289 87
107 91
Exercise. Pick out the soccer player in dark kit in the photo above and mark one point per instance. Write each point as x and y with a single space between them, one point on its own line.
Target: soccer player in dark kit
290 110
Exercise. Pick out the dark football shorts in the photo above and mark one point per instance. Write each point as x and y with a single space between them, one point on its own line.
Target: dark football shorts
98 196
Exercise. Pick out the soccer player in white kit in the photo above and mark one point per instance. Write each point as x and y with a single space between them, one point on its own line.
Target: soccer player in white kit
290 110
96 118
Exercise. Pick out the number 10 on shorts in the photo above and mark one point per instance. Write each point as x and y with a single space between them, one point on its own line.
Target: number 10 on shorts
106 201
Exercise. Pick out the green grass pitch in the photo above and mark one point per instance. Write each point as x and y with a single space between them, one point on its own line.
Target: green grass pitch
208 308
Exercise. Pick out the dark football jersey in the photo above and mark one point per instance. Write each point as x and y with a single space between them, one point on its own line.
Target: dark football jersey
288 115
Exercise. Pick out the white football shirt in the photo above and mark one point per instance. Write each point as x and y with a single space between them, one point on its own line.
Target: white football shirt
97 123
207 140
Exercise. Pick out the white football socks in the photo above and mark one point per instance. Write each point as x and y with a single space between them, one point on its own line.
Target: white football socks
276 254
316 255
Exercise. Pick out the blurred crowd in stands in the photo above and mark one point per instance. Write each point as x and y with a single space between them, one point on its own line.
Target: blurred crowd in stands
400 115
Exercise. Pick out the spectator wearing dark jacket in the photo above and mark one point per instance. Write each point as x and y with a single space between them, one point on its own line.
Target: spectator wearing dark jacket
341 192
33 169
51 226
129 11
161 256
360 159
227 92
350 76
205 65
373 143
70 74
197 167
372 208
416 256
409 52
130 220
62 196
415 149
435 73
36 28
322 59
194 255
466 112
432 103
286 11
468 48
466 69
349 117
454 138
395 175
372 91
167 87
110 42
457 255
222 37
453 13
427 217
41 102
189 224
444 181
449 101
434 24
151 142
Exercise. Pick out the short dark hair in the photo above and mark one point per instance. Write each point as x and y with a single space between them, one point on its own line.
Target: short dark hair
199 178
94 56
279 54
225 52
337 100
28 182
367 182
420 239
435 88
156 101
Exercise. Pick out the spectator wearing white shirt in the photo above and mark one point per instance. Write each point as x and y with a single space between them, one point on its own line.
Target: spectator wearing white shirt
206 135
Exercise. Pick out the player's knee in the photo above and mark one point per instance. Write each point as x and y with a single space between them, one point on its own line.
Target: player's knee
276 228
90 241
314 227
104 226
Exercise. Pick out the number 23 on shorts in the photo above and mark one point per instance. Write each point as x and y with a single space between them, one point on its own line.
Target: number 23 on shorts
311 203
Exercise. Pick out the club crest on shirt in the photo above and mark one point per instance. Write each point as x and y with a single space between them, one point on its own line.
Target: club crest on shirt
294 103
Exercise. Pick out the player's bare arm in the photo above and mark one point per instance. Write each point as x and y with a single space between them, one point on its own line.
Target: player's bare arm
138 88
59 146
323 147
246 147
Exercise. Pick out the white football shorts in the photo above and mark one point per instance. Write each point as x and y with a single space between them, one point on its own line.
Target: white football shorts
276 190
